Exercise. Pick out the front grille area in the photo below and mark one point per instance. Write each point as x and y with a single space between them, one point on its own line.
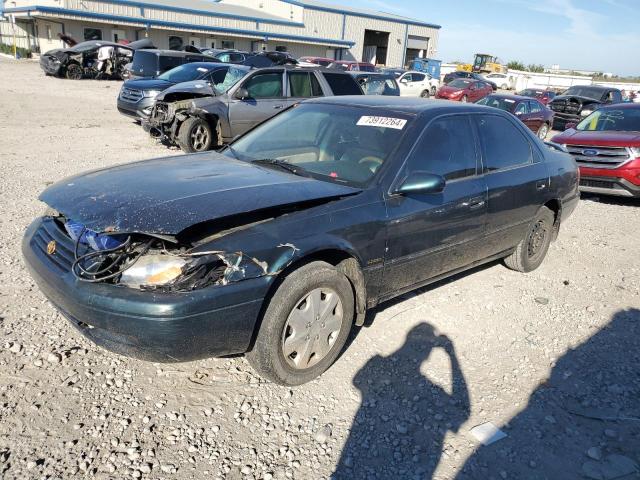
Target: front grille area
130 95
51 231
570 107
599 157
585 182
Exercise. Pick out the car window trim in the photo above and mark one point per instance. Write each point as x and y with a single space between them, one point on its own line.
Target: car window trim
476 144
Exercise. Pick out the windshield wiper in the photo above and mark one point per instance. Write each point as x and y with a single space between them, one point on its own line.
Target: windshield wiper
283 165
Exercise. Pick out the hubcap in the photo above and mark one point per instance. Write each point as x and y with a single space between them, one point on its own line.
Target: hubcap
543 132
536 239
312 328
199 137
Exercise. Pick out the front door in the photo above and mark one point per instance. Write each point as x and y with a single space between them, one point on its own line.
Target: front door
430 234
265 99
517 181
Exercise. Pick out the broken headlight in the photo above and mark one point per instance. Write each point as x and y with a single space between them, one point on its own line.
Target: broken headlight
153 271
152 93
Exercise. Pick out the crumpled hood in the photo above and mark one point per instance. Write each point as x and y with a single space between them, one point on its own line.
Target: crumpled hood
167 195
199 88
576 98
148 84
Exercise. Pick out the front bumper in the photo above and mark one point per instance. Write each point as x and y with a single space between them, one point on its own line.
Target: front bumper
560 119
138 110
214 321
621 182
51 65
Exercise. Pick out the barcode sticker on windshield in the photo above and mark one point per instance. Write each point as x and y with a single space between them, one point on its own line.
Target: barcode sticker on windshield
386 122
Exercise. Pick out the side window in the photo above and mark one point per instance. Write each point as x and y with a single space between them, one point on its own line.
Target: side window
264 85
304 85
408 77
616 97
503 145
418 77
534 106
521 109
446 147
342 84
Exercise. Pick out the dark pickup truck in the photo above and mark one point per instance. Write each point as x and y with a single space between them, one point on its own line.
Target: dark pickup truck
580 101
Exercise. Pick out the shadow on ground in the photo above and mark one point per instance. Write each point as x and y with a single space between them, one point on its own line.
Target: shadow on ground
583 422
400 427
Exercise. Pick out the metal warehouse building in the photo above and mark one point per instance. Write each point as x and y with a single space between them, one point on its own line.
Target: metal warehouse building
301 27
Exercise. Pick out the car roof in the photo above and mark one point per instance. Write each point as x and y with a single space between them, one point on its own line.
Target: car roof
408 105
174 53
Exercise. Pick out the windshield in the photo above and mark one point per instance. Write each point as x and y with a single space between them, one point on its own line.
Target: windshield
232 76
505 104
460 83
185 73
621 120
588 92
333 143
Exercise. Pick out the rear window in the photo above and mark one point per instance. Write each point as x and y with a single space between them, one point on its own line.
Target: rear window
342 84
366 68
145 63
167 63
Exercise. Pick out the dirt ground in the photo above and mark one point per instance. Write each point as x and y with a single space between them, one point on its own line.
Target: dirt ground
552 358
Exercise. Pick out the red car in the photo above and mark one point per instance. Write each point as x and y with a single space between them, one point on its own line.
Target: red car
350 66
528 110
464 90
606 147
322 61
543 96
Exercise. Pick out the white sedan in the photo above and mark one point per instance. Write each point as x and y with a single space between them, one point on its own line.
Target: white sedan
417 84
503 81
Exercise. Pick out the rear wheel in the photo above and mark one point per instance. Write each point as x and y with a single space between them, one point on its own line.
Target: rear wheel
196 135
305 325
504 86
531 251
543 131
74 72
433 91
425 94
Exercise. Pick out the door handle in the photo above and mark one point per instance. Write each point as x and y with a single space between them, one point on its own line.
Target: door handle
473 203
278 107
541 185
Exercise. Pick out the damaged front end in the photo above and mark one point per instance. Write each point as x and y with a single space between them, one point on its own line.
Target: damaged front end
159 263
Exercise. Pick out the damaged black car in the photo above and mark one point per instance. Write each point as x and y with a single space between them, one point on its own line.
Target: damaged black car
92 59
276 246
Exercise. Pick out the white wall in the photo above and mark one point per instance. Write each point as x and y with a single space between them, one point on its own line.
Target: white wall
621 85
546 80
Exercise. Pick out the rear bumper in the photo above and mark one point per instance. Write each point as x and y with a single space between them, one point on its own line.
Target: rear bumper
214 321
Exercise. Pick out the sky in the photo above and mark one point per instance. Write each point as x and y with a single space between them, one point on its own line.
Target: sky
598 35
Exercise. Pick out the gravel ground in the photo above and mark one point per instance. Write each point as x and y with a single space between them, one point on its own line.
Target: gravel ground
551 357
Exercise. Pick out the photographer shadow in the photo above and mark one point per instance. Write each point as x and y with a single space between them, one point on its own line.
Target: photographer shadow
401 424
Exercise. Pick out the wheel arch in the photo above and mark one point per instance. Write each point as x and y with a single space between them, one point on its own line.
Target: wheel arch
555 205
343 260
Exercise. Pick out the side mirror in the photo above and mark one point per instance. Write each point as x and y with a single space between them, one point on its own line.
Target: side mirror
570 125
518 113
404 80
421 182
242 94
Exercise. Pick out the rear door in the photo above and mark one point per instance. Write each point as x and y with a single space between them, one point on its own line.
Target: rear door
300 86
430 234
516 177
536 115
266 98
522 112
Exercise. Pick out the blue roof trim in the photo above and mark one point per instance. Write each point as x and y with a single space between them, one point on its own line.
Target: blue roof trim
193 11
190 26
376 16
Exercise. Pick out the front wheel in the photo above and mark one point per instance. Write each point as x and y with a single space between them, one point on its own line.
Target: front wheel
195 135
433 91
543 131
531 251
74 72
305 325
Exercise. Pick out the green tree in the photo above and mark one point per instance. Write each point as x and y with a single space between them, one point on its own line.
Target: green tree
515 65
535 68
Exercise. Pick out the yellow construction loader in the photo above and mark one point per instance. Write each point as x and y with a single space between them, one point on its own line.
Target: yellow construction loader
484 63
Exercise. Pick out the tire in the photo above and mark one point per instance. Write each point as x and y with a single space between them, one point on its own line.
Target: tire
433 91
543 131
464 99
425 94
196 135
504 86
74 72
532 250
281 353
